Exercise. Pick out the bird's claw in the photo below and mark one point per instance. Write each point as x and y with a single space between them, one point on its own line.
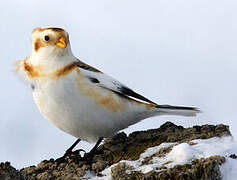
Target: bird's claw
69 154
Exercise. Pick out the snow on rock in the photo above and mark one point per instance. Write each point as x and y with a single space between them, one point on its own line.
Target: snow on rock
201 148
180 154
137 165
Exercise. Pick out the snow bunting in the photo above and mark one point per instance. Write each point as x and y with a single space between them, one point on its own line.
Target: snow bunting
78 98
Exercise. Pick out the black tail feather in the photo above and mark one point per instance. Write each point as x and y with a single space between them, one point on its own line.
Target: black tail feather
178 107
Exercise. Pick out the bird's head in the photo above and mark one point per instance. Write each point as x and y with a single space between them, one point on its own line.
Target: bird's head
50 42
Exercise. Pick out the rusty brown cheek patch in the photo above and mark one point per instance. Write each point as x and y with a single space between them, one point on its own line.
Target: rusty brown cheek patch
107 101
38 44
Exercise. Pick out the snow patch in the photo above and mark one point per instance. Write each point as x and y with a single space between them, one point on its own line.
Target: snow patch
89 175
137 165
182 154
229 169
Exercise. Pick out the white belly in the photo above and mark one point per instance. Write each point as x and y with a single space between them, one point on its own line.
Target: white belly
85 110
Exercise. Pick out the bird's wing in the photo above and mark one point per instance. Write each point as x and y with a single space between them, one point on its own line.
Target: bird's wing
104 81
85 66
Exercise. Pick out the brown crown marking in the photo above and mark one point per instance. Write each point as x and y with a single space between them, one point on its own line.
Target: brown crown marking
56 29
51 28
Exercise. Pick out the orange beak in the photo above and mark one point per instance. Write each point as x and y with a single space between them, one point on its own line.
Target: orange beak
61 43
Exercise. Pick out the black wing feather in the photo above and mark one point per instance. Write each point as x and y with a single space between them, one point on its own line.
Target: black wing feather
129 92
87 67
93 80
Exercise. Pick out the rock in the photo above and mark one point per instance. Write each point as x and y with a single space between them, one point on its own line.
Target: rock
119 171
202 169
123 147
7 172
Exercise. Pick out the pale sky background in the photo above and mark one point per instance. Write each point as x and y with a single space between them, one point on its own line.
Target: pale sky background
180 52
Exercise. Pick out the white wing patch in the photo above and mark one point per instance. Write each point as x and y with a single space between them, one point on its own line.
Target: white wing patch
105 81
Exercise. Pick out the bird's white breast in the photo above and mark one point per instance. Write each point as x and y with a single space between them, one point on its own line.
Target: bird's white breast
82 109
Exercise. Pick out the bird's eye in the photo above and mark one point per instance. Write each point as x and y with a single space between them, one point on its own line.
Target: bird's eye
46 38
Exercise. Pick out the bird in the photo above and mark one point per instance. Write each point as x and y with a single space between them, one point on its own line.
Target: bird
78 98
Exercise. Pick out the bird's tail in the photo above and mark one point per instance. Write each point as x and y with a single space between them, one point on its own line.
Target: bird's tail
177 110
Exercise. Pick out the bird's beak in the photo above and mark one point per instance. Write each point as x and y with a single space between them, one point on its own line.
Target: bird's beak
61 43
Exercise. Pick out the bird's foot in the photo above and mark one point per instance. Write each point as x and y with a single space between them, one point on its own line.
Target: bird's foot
88 156
68 154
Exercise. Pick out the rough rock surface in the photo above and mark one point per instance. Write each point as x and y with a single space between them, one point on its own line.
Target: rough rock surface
200 169
7 172
123 147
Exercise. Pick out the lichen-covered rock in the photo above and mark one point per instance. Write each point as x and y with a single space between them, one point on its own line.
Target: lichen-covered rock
123 147
7 172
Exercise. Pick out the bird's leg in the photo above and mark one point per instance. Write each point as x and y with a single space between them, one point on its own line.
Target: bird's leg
69 150
92 151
